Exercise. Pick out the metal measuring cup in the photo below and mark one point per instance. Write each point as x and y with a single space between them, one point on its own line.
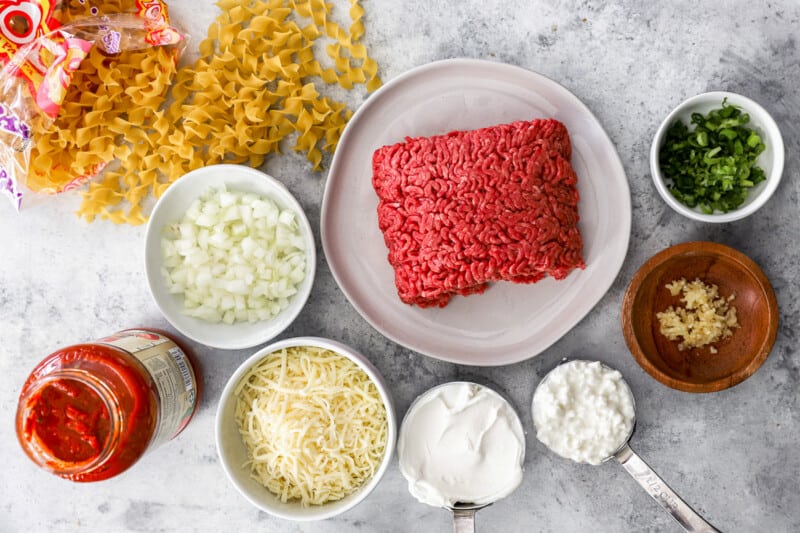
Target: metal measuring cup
464 516
656 487
463 512
652 483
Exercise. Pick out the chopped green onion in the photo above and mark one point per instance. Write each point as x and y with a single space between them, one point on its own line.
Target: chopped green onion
713 166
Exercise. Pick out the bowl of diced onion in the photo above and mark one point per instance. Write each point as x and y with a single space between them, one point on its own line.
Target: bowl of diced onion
305 428
229 256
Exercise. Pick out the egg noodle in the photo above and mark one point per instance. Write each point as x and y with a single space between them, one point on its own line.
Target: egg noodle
110 113
313 423
252 87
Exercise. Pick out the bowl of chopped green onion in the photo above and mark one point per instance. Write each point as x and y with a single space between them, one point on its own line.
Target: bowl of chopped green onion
717 157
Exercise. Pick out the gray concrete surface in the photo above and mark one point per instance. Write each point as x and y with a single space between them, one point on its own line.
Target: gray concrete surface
733 455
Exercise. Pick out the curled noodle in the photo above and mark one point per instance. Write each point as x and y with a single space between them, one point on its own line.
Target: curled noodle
252 88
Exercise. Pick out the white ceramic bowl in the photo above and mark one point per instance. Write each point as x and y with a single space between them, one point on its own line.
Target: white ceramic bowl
172 206
233 454
770 160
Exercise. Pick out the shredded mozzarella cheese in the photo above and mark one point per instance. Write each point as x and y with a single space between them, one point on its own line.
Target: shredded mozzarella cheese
314 424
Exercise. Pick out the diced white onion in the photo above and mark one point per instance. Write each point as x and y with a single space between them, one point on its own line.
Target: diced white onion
235 257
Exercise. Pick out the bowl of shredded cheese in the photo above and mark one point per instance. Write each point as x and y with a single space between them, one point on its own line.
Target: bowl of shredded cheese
305 428
229 256
700 316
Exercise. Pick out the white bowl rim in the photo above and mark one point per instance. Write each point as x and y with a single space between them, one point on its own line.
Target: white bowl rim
203 335
317 512
772 133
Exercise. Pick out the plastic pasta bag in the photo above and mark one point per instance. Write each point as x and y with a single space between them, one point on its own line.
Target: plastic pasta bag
45 47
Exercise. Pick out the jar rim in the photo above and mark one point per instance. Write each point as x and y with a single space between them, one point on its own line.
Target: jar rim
39 452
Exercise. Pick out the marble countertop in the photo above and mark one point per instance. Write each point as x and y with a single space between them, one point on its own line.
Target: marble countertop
732 455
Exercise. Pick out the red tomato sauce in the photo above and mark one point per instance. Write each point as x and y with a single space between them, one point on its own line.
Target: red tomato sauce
89 411
71 420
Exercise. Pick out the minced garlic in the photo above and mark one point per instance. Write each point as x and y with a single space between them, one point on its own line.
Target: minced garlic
705 318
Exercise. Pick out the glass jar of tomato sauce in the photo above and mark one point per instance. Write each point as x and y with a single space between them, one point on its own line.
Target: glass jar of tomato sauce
88 412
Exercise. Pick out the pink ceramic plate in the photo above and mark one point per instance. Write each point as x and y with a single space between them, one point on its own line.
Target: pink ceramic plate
509 322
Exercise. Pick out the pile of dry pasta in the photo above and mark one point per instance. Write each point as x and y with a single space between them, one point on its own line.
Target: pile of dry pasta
252 87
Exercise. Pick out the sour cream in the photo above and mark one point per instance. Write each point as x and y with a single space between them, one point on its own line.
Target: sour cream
583 411
461 443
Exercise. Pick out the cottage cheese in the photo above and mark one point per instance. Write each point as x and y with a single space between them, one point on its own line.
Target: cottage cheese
583 411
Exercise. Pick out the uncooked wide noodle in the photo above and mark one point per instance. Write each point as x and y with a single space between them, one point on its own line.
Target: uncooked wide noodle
252 87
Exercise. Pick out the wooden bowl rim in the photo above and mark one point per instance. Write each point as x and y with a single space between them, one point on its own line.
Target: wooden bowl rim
702 248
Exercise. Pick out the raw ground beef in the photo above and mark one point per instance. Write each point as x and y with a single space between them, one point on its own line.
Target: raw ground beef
460 210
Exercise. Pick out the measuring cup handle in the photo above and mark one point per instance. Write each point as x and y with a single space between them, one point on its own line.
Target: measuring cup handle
463 520
662 493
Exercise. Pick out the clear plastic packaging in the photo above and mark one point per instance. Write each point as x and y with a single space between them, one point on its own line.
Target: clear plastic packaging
42 44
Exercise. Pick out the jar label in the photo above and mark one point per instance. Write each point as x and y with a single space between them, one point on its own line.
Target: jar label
172 373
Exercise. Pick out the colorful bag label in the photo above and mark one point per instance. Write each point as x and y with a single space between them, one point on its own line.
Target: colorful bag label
22 22
51 56
11 123
9 188
49 65
159 32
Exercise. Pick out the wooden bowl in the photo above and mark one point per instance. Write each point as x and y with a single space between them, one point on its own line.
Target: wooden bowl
698 369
